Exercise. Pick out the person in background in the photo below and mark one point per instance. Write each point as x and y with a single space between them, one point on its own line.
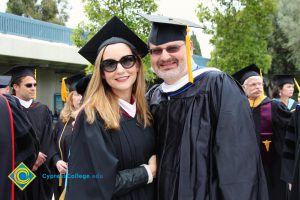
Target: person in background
284 90
112 136
271 119
18 144
4 84
206 144
62 133
24 88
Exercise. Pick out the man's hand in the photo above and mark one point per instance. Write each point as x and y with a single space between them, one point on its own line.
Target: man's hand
39 161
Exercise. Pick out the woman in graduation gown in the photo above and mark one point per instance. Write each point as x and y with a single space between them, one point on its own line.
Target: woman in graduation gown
63 131
113 142
284 90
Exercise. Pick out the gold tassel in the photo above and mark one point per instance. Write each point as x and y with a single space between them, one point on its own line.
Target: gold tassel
63 90
297 84
60 180
188 55
263 91
35 94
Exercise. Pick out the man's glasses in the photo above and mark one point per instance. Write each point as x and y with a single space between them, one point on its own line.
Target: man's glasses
110 65
30 85
170 49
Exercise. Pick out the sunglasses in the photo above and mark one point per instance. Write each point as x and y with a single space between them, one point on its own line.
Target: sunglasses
170 49
30 85
110 65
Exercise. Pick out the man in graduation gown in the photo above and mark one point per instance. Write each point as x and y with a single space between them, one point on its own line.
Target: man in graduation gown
291 155
271 119
206 143
24 88
18 144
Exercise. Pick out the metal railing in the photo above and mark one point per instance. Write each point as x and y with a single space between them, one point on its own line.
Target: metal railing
31 28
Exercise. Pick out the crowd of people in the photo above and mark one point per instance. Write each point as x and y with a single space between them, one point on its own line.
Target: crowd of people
201 134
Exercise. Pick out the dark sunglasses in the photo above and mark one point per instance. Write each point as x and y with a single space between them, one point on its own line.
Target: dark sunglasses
110 65
170 49
30 85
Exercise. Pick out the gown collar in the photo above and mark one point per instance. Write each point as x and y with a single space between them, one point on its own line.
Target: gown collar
25 104
184 80
129 108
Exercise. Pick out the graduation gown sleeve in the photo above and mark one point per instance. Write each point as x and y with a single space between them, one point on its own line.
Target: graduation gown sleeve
236 153
91 154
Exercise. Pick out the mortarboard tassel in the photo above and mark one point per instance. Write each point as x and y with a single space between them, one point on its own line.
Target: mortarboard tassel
188 55
297 84
35 95
63 90
263 91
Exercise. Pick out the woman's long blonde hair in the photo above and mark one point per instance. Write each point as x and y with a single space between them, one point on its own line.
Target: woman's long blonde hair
68 110
99 97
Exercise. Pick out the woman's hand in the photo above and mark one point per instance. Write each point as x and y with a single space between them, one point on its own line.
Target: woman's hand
62 166
152 164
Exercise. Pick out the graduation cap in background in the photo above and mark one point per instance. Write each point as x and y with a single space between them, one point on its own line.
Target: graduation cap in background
19 71
70 83
166 29
247 72
83 84
114 31
4 81
281 79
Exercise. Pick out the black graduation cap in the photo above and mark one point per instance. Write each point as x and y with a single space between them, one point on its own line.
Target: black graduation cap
73 80
83 84
281 79
114 31
19 71
167 29
4 81
245 73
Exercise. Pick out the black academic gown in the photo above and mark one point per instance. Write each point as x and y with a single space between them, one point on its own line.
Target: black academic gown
40 117
206 143
62 135
291 155
114 156
25 146
271 158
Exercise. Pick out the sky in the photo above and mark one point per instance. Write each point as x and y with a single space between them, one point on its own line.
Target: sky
183 9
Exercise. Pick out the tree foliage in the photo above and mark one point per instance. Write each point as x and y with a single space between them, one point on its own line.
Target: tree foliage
281 62
240 30
100 11
289 23
54 11
197 49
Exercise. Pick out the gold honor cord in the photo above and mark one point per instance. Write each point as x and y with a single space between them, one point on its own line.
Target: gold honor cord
60 150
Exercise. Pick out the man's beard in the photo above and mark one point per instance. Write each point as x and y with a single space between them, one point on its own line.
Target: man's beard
171 74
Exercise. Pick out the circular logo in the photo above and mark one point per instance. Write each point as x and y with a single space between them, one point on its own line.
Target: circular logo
21 176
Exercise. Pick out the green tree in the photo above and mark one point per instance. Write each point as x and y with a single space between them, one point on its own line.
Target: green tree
54 11
281 62
196 44
240 30
289 23
100 11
